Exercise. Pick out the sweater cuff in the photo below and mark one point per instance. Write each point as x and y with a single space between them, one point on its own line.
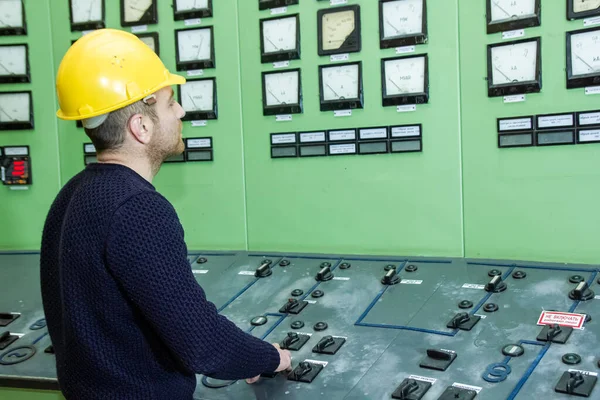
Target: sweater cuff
273 359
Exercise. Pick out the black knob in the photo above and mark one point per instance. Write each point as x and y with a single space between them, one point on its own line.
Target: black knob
408 388
263 270
325 342
297 292
459 319
284 263
411 268
324 274
345 265
291 338
554 331
291 304
390 278
201 260
574 381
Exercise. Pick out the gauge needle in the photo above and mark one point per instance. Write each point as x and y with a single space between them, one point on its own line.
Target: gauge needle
3 23
274 45
388 22
507 78
503 10
195 6
200 47
279 101
90 12
193 101
583 61
334 92
390 79
6 69
137 9
5 113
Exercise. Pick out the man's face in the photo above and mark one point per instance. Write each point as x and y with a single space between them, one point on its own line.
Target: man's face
167 140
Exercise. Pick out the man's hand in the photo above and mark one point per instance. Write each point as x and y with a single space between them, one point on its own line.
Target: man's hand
285 362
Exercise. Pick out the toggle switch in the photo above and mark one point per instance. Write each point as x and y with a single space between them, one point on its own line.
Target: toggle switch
496 285
463 321
391 277
329 345
438 359
456 393
582 292
294 341
555 333
305 372
6 339
293 306
263 270
576 383
411 389
7 318
324 274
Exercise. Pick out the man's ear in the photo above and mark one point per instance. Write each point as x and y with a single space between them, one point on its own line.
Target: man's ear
139 128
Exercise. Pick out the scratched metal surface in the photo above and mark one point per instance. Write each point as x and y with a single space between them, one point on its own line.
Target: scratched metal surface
388 328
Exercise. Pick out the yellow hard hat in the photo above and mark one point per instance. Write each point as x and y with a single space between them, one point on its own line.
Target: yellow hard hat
106 70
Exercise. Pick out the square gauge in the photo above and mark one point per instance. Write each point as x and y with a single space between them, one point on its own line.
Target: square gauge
405 80
508 15
195 48
86 14
577 9
16 111
189 9
339 30
138 12
13 21
198 98
280 38
514 67
583 58
341 86
282 92
151 39
266 4
14 63
402 23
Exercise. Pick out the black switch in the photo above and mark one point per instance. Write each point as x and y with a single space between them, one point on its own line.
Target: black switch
293 306
576 383
294 341
496 285
6 339
455 393
438 359
305 372
391 277
49 349
555 333
329 345
324 274
582 292
411 389
463 321
263 270
7 318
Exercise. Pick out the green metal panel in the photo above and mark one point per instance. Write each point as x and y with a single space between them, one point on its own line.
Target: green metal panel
23 212
390 203
23 394
525 203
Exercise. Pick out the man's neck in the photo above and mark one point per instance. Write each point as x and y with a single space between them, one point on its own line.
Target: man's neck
140 165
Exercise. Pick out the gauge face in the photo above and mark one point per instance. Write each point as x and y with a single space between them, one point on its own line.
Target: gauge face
585 53
279 34
340 82
86 11
339 30
187 5
511 9
402 17
585 5
138 12
198 95
13 60
11 14
405 76
14 107
514 63
282 88
195 48
150 42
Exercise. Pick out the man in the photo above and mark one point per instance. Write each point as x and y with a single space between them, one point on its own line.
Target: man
125 315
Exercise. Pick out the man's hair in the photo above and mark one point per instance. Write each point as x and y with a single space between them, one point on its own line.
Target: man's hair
110 135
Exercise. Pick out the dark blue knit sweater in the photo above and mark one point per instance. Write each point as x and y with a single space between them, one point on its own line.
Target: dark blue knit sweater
125 315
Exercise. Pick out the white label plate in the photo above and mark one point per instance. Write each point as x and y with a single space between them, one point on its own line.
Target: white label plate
247 273
572 320
589 118
517 124
349 148
310 137
323 363
284 138
336 2
467 387
589 135
200 271
405 49
139 28
406 131
591 21
89 148
513 34
473 286
552 121
407 108
283 117
373 133
339 57
278 10
411 282
198 143
15 151
342 135
199 123
423 379
341 278
584 372
342 113
281 64
592 90
514 99
195 72
193 21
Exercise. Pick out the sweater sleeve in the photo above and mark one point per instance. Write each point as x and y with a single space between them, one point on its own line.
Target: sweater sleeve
147 255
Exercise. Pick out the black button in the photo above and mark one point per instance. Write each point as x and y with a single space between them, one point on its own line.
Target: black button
490 307
576 279
284 263
317 293
297 292
519 274
297 325
495 272
320 326
201 260
513 350
411 268
345 265
260 320
325 264
571 359
389 266
465 304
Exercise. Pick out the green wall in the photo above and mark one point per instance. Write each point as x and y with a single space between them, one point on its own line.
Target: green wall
462 196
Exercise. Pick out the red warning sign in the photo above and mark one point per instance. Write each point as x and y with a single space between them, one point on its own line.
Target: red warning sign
575 321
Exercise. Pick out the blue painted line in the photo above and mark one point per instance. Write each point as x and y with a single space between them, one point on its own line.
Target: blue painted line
430 261
529 371
40 338
481 303
407 328
281 318
364 314
248 286
316 285
490 264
